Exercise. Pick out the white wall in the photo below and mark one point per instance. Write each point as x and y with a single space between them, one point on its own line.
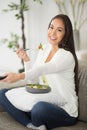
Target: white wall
37 20
8 24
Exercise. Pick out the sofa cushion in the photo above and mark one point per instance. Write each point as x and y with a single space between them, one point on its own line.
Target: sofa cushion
8 123
82 94
78 126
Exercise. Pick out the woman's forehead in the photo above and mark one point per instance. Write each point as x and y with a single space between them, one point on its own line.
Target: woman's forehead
57 23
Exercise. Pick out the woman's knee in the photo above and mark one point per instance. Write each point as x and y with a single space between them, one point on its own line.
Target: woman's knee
38 113
40 108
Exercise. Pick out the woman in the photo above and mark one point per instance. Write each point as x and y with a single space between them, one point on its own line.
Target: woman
57 61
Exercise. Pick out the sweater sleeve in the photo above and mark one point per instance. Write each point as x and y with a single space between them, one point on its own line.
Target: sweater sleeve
60 62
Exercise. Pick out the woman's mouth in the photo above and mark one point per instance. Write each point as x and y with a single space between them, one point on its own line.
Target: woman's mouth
52 38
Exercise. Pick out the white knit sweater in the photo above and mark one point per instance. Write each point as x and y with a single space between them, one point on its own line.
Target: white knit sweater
59 73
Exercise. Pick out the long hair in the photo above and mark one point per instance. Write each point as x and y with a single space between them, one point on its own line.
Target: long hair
67 42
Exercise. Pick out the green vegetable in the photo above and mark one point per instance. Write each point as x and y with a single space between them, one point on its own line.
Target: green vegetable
37 86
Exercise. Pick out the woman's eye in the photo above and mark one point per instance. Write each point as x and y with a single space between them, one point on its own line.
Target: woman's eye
59 30
51 27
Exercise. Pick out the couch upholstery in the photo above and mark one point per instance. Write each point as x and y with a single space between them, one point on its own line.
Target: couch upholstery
8 123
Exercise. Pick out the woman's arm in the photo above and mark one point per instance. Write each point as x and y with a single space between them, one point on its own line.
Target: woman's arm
13 77
61 62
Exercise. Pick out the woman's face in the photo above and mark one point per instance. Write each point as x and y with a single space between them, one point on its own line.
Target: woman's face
56 31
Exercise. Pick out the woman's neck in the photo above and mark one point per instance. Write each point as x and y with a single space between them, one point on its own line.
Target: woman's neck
54 49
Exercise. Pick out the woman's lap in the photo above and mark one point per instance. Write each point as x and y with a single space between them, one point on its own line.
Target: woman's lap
42 113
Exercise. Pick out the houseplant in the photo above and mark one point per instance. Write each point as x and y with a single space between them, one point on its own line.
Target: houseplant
19 9
75 11
12 42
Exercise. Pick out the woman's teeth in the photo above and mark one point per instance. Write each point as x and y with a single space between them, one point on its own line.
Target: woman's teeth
52 38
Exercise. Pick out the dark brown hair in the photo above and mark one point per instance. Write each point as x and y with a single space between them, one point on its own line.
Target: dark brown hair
67 42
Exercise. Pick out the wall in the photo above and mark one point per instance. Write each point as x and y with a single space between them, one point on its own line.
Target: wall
8 24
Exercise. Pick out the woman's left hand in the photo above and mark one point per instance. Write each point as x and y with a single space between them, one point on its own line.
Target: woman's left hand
13 77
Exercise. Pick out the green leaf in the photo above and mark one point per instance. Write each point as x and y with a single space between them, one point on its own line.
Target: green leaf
5 10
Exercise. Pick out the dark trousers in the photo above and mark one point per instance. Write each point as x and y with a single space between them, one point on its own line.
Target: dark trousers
42 113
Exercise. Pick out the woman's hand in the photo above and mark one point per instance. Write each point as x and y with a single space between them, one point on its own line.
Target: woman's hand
13 77
22 54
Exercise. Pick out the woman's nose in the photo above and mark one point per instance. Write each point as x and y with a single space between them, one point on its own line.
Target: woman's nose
53 32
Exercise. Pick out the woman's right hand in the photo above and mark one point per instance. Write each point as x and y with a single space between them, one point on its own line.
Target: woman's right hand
13 77
22 54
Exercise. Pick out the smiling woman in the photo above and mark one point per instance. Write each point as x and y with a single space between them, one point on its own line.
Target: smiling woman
57 61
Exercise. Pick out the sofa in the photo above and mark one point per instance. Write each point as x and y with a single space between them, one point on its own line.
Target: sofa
8 123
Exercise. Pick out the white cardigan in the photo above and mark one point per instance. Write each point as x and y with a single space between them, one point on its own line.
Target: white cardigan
59 73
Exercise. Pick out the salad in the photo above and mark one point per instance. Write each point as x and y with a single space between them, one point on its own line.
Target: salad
37 86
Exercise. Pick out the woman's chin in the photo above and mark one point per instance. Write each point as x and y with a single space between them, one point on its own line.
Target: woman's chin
52 42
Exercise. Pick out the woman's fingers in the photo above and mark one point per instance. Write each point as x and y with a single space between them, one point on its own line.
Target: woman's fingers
22 54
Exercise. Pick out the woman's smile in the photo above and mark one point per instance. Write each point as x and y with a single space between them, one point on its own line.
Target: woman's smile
53 38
